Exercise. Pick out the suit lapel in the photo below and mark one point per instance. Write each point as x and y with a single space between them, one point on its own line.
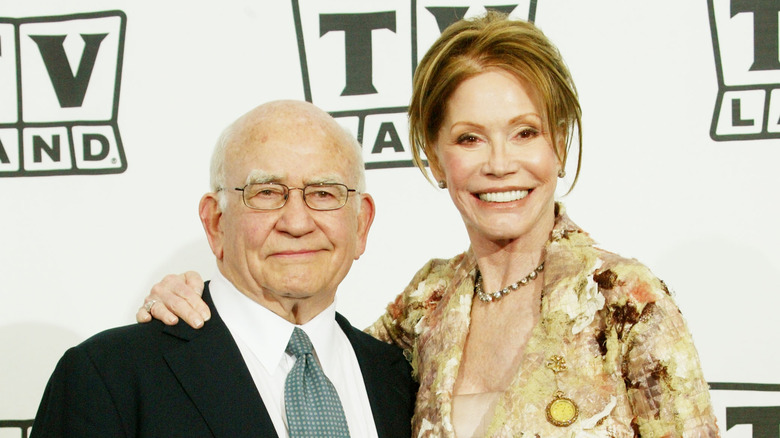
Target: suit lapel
212 371
383 376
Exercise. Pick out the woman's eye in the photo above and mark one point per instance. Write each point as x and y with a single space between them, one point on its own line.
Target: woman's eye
467 139
528 133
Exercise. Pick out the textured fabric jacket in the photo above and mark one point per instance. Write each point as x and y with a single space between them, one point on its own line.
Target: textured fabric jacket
632 366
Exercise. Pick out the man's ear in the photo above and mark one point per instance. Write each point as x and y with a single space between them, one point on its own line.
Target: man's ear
210 217
365 219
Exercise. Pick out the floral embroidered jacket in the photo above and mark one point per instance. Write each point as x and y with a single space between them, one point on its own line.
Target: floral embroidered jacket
632 366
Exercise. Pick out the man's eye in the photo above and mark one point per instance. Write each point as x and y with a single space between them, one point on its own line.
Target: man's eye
266 192
323 194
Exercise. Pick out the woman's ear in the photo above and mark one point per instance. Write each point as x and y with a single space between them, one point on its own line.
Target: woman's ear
436 170
560 148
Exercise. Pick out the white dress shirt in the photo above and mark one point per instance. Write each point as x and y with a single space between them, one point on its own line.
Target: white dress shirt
262 337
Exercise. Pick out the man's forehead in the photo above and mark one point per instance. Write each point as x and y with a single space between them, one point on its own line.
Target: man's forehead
263 144
265 176
291 156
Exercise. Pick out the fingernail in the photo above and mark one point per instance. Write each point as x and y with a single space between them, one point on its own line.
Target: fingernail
172 320
198 323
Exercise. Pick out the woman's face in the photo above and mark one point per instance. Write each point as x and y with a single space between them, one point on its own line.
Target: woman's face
500 168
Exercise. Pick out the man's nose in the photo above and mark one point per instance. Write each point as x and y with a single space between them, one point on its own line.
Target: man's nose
296 217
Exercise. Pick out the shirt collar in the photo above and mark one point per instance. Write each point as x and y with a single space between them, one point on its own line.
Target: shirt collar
266 333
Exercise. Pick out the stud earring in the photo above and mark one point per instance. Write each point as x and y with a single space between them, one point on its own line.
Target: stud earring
442 184
561 173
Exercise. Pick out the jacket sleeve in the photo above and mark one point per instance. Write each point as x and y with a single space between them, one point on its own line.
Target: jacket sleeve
664 381
397 326
76 402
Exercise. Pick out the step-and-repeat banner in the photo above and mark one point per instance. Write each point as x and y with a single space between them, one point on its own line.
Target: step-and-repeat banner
109 111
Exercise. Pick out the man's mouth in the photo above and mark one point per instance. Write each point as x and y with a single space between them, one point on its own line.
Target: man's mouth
512 195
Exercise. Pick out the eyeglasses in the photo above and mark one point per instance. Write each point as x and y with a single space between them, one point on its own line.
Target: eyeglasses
273 196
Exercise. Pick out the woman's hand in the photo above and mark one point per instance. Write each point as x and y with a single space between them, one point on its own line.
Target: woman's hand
173 297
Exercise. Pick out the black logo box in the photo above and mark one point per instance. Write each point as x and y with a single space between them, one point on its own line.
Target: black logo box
55 121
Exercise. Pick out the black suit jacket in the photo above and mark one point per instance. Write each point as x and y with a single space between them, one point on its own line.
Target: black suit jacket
151 380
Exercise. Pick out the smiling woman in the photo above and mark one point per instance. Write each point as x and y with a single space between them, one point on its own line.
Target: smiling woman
533 331
499 166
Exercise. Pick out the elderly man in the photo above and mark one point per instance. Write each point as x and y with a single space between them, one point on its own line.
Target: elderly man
286 217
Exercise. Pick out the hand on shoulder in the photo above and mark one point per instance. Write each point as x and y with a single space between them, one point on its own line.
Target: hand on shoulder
176 296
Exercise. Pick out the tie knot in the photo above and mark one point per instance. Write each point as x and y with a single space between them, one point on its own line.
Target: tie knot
299 343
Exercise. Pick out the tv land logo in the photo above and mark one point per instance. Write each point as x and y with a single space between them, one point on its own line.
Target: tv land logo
745 40
59 82
747 409
357 60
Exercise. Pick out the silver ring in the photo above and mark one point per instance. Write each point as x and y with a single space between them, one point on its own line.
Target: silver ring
148 306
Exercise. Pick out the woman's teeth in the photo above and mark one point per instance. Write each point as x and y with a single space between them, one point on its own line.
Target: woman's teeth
510 196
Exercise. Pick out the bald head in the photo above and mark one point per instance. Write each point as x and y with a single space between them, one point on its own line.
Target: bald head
289 258
288 121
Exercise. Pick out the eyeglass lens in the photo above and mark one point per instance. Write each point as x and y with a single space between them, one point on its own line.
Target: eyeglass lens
270 196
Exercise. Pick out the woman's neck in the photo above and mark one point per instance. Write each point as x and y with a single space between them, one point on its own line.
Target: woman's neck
504 262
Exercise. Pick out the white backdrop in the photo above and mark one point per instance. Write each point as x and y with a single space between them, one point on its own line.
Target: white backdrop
698 204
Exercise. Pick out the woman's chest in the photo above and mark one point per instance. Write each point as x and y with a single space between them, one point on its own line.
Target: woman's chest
560 383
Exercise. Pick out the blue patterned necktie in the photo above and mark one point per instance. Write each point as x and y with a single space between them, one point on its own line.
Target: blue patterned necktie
312 403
